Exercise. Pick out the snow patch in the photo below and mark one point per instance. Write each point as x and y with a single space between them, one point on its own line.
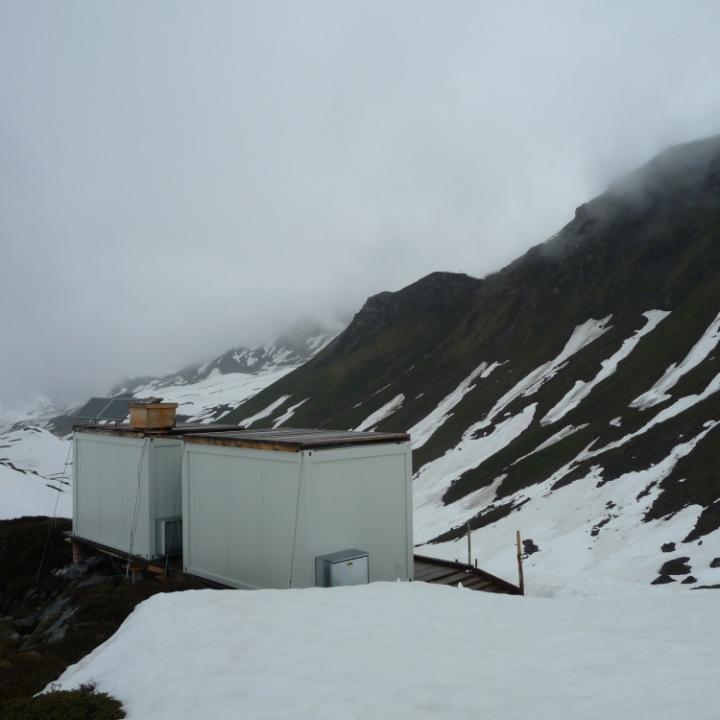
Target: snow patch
381 413
678 407
658 393
582 335
265 412
553 439
582 389
433 479
288 414
422 431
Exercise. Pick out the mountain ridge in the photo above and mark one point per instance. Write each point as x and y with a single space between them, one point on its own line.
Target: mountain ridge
620 294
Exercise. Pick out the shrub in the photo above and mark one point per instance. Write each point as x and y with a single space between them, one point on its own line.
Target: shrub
81 704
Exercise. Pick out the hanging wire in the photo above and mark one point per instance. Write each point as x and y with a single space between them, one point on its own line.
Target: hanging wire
136 508
297 514
54 513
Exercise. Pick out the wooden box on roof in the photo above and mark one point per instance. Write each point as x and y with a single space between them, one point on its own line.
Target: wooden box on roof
152 415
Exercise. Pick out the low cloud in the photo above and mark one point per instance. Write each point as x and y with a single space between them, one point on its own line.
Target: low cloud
178 179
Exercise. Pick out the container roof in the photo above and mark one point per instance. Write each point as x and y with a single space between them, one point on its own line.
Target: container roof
296 439
129 430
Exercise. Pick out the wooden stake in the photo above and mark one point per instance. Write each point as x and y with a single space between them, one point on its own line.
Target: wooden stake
519 562
469 545
78 552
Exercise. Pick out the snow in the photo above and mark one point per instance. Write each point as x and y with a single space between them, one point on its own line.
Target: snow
34 411
582 389
582 335
33 477
381 413
658 393
200 400
422 431
431 516
265 412
678 407
625 552
434 478
410 650
553 439
288 413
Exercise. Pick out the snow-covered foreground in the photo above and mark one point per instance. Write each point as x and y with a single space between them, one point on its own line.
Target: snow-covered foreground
33 477
411 650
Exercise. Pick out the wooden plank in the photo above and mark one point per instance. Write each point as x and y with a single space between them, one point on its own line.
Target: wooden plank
434 574
446 572
454 578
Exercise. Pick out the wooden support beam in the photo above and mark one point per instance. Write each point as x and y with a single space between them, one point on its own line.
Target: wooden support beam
521 578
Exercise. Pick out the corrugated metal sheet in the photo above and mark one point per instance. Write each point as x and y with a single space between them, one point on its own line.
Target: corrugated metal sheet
258 518
121 485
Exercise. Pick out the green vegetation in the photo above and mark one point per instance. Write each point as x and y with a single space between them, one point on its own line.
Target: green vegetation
651 242
81 704
48 621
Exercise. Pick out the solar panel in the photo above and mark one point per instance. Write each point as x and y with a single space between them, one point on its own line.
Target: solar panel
92 408
113 409
117 409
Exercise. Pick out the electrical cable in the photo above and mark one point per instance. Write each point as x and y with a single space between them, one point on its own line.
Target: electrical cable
136 508
54 514
297 514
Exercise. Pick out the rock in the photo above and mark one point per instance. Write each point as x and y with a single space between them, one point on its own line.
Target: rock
662 580
529 547
676 566
59 628
95 580
72 572
689 580
668 547
715 563
29 621
94 561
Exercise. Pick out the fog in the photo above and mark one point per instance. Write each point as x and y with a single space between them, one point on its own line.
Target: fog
177 178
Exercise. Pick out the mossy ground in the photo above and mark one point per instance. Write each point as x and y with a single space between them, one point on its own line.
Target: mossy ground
31 657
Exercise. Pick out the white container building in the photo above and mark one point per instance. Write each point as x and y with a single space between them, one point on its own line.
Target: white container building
127 485
261 507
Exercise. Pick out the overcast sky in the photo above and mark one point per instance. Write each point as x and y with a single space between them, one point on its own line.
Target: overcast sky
180 177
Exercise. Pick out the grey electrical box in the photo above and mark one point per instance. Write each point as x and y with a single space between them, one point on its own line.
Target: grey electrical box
347 567
169 536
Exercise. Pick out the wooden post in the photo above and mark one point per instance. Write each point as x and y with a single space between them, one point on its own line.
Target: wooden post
519 562
78 552
469 545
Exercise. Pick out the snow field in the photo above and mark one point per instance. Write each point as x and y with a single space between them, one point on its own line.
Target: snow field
198 400
411 650
32 466
623 554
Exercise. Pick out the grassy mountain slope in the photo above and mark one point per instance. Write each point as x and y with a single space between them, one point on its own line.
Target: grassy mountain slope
651 242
